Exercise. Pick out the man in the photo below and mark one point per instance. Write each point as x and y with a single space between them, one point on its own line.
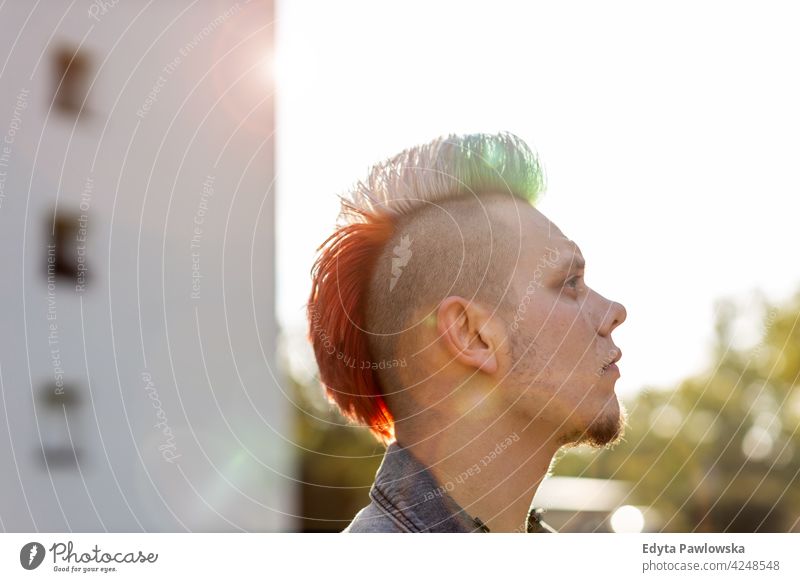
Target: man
452 318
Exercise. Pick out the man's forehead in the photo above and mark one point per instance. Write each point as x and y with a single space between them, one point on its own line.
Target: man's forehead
547 232
562 253
566 246
547 240
541 236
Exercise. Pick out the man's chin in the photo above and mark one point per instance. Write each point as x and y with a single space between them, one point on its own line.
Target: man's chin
606 429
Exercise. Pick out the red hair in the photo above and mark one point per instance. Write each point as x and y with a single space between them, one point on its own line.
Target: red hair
336 313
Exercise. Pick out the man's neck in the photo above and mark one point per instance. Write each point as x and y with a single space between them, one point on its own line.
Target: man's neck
492 472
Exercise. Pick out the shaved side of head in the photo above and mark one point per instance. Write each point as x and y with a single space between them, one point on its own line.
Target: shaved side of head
458 247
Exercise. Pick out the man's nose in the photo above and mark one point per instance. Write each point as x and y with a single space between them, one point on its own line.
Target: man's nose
615 314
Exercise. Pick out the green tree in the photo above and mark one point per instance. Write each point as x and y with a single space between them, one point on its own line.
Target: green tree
721 451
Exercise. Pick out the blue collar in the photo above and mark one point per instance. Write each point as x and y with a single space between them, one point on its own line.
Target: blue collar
410 495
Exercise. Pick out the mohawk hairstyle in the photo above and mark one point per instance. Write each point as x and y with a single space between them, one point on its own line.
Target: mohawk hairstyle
447 168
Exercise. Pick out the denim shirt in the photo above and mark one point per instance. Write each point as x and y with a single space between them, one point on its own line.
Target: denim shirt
406 498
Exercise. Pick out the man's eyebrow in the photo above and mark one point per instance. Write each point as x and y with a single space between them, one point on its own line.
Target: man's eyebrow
575 262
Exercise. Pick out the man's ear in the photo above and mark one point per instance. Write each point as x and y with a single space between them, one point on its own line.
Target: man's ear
468 333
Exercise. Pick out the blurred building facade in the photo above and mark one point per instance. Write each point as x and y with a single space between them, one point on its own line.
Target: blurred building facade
138 332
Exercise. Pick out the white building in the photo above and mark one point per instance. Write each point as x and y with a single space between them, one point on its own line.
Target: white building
137 327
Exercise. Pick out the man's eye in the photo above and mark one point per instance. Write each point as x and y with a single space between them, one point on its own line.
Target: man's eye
573 282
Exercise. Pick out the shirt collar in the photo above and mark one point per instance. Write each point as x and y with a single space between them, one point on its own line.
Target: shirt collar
411 496
409 493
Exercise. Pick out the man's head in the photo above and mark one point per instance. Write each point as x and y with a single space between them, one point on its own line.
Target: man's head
445 296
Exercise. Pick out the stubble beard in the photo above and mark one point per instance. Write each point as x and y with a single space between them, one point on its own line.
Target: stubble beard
605 429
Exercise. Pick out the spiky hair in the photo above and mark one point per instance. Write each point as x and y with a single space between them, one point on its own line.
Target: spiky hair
447 168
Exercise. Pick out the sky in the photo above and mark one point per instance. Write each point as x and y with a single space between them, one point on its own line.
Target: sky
669 134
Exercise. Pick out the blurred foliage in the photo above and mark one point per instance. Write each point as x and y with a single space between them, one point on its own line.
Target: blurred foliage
337 462
721 452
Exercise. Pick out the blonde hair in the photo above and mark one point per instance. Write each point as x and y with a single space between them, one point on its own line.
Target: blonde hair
447 167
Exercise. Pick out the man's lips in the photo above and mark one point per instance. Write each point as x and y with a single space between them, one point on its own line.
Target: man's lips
611 365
